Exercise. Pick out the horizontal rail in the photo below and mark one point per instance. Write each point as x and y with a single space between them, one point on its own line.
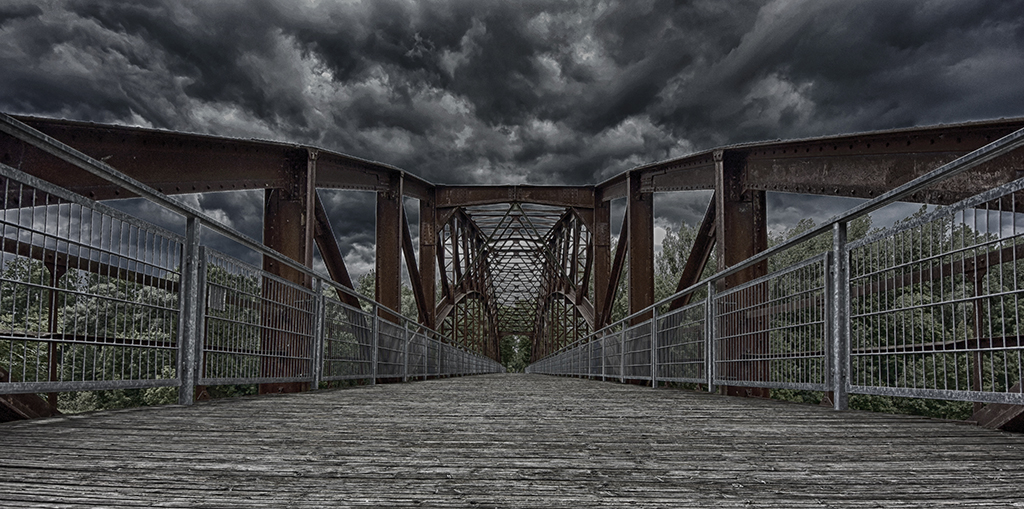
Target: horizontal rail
92 299
929 308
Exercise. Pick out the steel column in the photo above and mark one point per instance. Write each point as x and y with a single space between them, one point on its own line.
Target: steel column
741 232
428 258
389 249
288 228
640 214
602 259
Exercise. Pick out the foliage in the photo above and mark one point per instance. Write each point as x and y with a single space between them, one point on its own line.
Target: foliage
515 352
668 268
936 408
367 286
944 309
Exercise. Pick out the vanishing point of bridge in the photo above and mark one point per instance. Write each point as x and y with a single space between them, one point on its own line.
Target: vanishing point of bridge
95 299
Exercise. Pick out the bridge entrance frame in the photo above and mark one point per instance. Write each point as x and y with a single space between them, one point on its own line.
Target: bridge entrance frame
581 270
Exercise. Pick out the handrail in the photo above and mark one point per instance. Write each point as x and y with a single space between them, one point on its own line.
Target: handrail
813 332
1000 147
192 305
66 153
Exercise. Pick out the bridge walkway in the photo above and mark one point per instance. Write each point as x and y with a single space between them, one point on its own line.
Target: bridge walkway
504 441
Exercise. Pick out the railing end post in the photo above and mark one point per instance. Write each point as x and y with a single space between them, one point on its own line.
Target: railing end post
840 341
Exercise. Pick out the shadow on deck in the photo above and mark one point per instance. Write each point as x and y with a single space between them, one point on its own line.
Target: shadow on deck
504 441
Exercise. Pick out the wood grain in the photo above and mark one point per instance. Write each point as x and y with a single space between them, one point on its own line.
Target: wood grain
505 441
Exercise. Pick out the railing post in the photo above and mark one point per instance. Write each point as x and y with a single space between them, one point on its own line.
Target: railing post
318 333
709 337
840 293
622 355
188 314
590 358
374 342
654 348
405 354
604 362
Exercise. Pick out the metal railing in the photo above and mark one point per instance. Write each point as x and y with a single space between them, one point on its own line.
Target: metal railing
92 298
929 308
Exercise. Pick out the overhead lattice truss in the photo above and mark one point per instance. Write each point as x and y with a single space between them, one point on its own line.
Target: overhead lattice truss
566 311
510 269
467 312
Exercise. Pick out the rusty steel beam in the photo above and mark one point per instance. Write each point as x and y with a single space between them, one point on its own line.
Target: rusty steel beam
867 165
389 250
15 407
414 271
602 259
621 248
176 162
740 222
861 165
288 229
640 215
337 171
700 252
583 306
741 232
171 162
560 196
330 252
428 258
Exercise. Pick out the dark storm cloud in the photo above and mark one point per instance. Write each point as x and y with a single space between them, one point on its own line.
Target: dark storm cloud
465 91
826 67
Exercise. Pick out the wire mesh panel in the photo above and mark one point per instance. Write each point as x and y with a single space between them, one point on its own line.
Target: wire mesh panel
390 349
89 297
416 355
772 331
936 304
259 327
681 344
637 351
611 346
577 360
596 358
432 359
347 343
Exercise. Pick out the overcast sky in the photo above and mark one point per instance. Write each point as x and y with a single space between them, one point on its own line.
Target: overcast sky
475 91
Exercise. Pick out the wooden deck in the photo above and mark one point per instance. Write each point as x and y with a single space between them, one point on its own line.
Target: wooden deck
505 441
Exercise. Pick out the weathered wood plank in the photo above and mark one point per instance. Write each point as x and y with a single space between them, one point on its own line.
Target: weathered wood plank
504 441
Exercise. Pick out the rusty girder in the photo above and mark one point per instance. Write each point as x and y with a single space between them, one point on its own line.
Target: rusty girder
466 311
515 258
530 252
566 311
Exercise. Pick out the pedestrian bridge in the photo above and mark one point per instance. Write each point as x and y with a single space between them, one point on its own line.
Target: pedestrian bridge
95 299
505 440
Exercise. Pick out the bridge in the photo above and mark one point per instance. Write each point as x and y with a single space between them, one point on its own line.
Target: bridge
95 299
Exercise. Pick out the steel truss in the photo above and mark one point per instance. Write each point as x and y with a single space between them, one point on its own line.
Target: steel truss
494 261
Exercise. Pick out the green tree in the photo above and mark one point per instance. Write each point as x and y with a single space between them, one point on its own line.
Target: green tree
675 250
515 352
